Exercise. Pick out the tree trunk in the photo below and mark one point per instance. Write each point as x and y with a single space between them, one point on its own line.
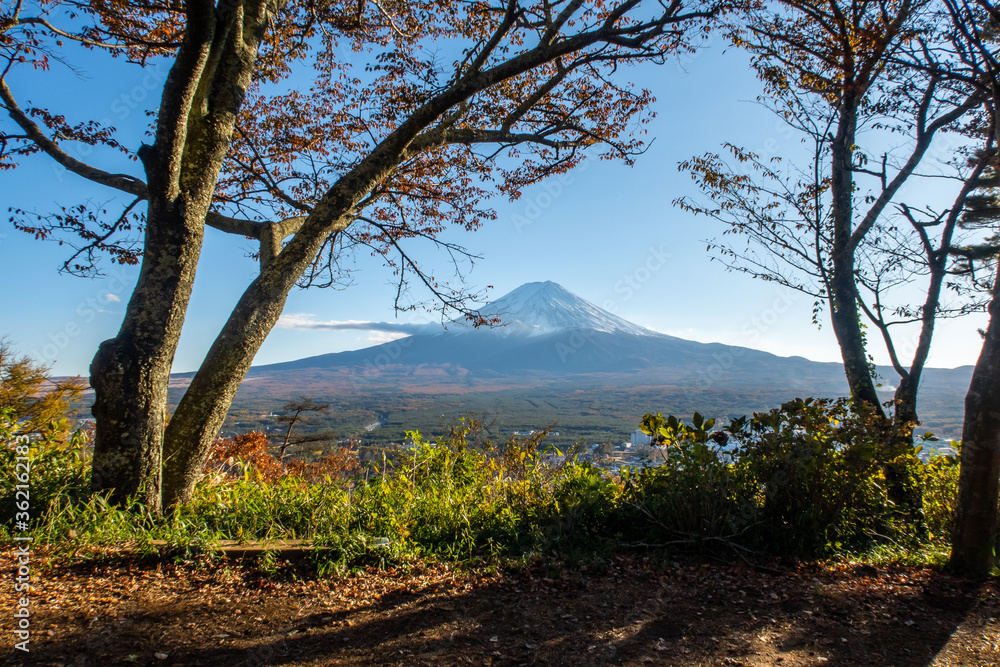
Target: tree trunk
906 493
845 318
905 398
200 414
972 552
130 373
844 313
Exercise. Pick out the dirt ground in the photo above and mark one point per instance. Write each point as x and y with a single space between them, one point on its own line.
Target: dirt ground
624 612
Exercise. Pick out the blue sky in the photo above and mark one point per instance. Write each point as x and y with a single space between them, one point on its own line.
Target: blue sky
607 232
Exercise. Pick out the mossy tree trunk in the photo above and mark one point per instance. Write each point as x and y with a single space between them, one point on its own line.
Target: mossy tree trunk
130 373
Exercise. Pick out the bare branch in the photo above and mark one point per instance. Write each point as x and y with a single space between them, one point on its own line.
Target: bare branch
122 182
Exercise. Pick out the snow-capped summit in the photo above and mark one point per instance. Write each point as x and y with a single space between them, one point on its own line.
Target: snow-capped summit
547 307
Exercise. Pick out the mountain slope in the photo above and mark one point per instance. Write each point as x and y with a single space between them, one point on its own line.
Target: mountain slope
558 347
549 330
547 307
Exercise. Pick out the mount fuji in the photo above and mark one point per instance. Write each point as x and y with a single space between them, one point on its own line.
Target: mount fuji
543 308
546 330
543 329
552 343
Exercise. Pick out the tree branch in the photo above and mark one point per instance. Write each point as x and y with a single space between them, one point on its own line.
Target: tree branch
122 182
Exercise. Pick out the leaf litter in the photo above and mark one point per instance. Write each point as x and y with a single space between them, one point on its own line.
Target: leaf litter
627 611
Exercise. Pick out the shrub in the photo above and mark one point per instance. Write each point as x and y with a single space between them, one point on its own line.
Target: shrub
237 457
810 477
59 466
692 492
246 453
39 404
584 508
939 481
35 423
802 480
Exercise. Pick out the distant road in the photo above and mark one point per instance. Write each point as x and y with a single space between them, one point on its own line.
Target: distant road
382 420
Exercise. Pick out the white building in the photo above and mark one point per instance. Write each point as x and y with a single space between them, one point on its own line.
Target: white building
640 438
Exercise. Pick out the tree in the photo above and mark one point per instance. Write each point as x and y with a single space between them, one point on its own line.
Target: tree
294 415
972 552
36 399
976 518
851 80
452 101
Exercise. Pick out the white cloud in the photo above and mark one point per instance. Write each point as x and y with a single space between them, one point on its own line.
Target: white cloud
112 298
379 337
305 321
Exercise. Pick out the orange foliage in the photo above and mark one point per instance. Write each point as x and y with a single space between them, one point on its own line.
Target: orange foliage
251 450
339 464
525 87
248 448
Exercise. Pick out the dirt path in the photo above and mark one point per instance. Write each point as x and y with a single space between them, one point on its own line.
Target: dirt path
627 613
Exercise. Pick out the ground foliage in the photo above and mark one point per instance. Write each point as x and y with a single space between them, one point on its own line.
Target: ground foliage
799 481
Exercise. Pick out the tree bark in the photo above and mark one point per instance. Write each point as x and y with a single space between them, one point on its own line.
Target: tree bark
202 410
844 316
844 313
903 491
972 552
905 396
131 372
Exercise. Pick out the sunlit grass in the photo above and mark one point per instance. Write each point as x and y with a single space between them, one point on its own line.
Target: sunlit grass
507 503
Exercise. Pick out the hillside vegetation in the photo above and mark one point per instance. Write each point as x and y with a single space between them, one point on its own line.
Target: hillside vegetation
800 481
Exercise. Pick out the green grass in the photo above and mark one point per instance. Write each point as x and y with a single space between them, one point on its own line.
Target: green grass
803 483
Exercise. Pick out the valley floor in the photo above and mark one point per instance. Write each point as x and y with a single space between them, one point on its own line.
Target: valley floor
623 612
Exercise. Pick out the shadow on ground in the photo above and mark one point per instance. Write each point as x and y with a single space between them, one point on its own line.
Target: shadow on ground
630 614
